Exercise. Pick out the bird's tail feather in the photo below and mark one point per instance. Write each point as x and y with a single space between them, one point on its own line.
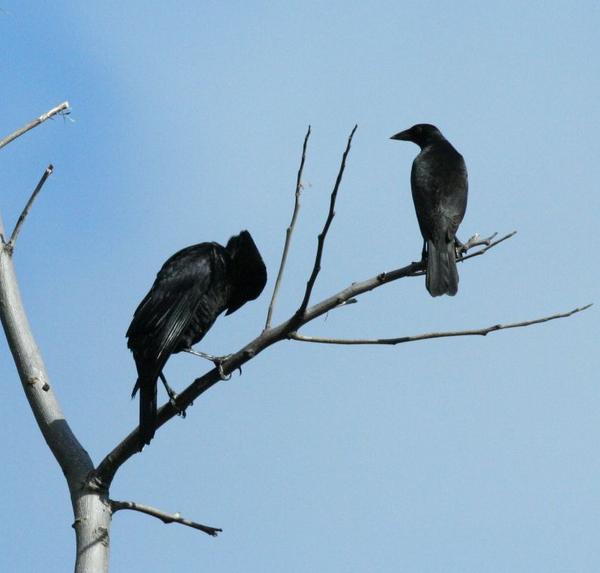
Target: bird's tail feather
442 275
147 410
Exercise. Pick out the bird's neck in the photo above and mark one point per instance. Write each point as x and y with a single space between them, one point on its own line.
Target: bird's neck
433 140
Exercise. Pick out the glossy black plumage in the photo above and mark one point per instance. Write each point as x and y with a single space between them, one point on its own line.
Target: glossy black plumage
439 188
191 290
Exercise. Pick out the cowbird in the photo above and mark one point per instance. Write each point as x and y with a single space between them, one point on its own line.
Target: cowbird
439 188
191 290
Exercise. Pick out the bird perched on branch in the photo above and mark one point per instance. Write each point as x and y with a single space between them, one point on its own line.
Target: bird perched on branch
191 290
439 188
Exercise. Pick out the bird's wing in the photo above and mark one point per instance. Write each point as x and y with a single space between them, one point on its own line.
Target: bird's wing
424 186
439 189
171 304
454 202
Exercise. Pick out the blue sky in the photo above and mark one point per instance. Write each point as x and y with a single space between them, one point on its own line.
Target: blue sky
463 455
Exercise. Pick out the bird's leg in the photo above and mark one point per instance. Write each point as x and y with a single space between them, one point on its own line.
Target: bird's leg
216 360
172 395
202 354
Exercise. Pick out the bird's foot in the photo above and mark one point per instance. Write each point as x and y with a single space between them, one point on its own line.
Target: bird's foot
173 402
216 360
461 248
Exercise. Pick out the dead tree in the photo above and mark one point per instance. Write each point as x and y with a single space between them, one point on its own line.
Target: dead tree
89 483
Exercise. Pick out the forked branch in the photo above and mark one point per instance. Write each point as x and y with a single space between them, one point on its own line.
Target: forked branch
488 244
92 522
323 235
107 469
475 241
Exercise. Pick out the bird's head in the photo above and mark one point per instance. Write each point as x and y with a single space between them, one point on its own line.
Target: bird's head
248 270
422 134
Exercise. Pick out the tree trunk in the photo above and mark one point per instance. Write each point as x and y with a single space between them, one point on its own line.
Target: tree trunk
92 527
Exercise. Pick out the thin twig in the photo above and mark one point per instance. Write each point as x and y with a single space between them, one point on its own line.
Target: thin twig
61 108
488 246
164 517
403 339
474 241
289 231
10 246
321 239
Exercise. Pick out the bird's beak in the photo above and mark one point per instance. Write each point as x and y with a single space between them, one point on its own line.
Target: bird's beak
403 135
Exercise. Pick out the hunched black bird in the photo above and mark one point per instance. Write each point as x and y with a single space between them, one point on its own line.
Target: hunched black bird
191 290
439 188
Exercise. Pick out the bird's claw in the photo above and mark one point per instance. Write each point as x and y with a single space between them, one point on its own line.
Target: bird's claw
173 402
222 374
218 362
461 248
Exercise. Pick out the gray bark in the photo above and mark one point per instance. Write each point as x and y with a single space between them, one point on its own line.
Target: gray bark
90 508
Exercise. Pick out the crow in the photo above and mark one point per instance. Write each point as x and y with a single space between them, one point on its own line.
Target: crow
191 290
439 188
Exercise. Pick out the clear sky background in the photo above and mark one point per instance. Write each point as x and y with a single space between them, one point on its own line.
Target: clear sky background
457 455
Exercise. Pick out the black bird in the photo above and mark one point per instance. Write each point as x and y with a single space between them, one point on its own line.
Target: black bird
439 188
191 290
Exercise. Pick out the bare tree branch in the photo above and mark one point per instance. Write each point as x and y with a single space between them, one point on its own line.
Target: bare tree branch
34 377
321 239
289 231
403 339
92 515
76 464
10 246
89 486
488 245
128 447
475 241
60 108
164 517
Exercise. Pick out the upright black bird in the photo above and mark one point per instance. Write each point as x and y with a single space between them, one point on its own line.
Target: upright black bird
439 188
191 290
